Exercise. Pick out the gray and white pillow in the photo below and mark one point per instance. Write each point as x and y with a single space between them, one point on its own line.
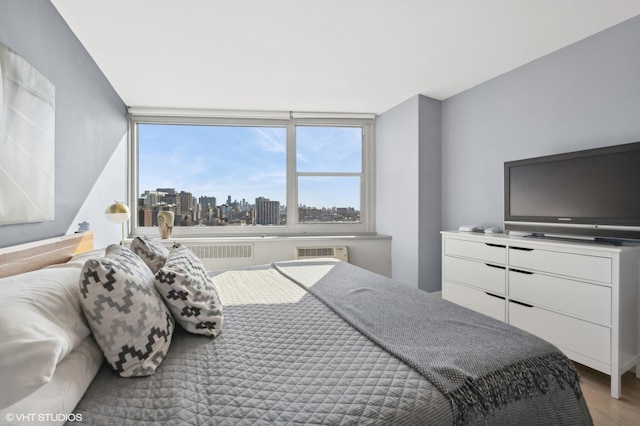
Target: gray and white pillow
128 318
190 293
151 251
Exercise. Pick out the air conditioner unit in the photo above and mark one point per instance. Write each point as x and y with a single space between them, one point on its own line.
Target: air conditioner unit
315 252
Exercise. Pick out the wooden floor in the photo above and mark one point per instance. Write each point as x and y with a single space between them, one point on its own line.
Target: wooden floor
607 411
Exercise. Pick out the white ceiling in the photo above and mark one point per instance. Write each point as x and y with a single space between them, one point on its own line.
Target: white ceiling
322 55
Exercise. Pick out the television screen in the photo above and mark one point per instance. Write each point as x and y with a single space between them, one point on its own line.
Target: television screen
598 189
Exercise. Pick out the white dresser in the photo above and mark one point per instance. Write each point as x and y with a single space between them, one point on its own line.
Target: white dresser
582 297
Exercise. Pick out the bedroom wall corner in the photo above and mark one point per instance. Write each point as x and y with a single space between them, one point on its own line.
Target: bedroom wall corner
397 187
430 187
408 189
90 117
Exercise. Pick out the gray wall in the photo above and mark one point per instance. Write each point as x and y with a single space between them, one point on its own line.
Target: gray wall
397 186
430 193
408 189
583 96
91 119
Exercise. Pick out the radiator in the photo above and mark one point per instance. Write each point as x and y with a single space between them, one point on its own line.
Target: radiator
222 251
313 252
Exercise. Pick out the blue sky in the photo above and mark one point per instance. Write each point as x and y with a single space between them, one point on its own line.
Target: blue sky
249 162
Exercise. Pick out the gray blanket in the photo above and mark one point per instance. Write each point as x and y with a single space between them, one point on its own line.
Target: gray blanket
479 363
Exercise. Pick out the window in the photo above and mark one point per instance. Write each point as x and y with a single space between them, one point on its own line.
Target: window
329 171
212 175
242 175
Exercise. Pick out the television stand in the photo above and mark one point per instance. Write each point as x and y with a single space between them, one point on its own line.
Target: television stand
582 297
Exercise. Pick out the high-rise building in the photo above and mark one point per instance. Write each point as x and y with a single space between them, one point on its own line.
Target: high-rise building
151 198
206 202
267 211
185 200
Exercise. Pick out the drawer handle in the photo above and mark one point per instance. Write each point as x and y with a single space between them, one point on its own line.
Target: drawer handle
495 266
495 295
521 248
520 271
521 303
495 245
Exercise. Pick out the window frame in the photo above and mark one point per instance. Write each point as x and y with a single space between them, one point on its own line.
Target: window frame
289 121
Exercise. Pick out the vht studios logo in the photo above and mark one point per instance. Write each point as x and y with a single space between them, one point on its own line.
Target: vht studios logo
43 417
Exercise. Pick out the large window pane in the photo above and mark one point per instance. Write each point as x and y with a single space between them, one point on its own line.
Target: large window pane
328 149
211 175
328 199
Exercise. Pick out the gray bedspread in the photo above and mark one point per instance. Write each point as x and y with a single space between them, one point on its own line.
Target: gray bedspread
285 357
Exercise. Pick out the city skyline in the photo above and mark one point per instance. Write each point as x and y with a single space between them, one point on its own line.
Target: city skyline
249 162
190 210
228 200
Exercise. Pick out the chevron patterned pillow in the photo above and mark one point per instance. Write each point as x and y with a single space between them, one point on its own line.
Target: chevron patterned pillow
151 251
190 293
127 316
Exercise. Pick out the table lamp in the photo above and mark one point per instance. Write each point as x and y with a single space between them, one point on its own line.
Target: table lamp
118 213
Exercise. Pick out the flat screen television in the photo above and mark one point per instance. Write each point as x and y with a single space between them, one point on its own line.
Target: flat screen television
591 194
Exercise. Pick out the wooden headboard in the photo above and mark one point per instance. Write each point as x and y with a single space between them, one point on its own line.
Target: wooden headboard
38 254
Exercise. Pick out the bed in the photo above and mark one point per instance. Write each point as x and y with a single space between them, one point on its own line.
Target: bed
296 342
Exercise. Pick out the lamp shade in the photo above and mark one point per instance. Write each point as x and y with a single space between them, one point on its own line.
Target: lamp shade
117 213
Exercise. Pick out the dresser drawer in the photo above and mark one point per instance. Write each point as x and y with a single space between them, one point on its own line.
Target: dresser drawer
493 253
585 338
590 302
580 266
478 274
474 299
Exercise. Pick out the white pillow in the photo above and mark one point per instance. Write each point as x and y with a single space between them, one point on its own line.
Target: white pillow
60 396
41 322
79 259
